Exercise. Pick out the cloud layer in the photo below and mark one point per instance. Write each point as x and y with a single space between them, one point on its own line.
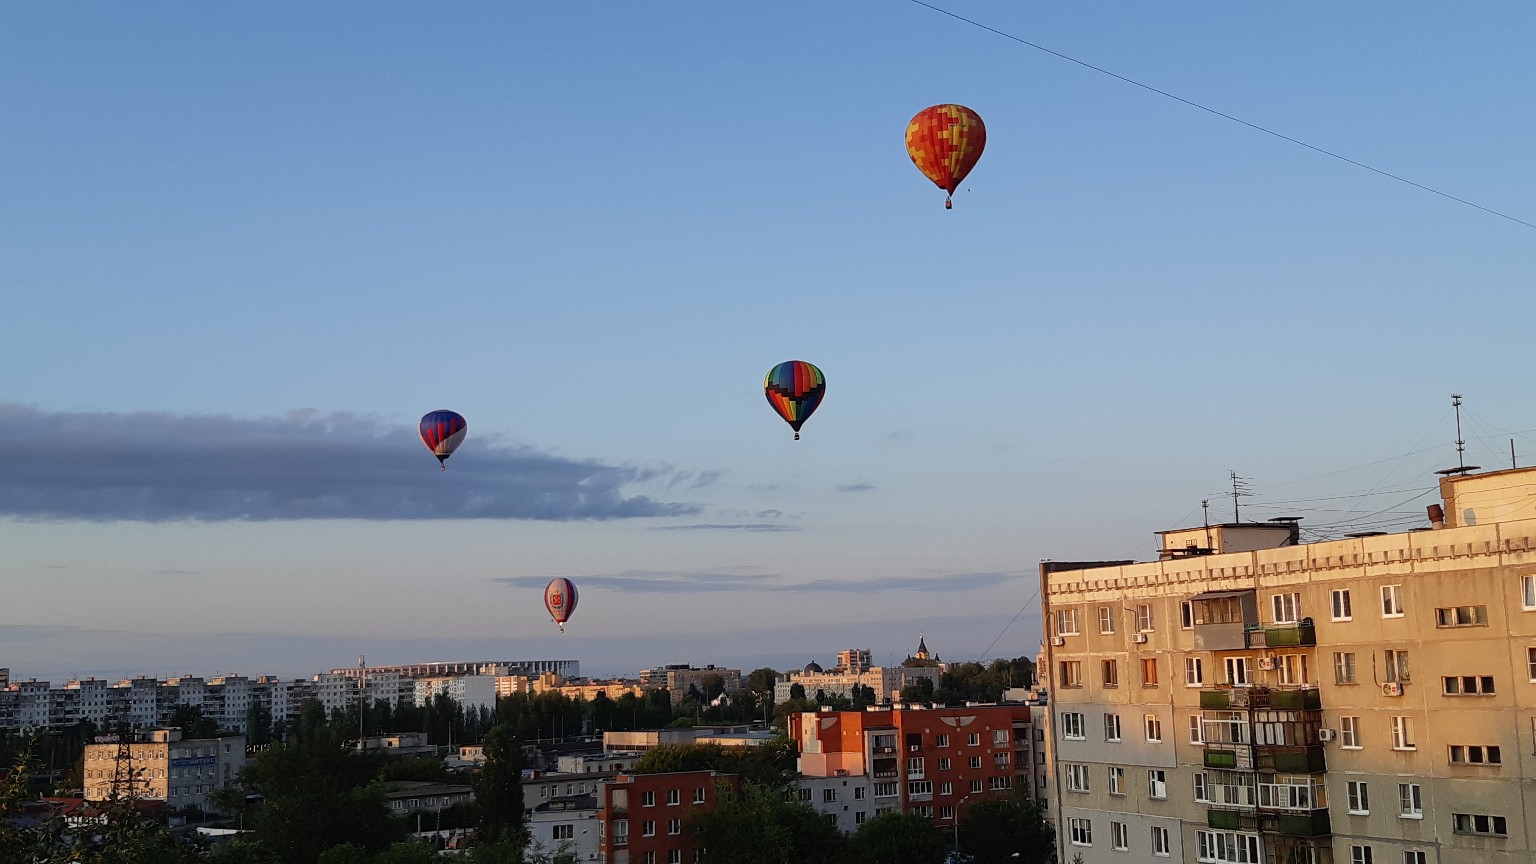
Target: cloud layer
747 579
159 467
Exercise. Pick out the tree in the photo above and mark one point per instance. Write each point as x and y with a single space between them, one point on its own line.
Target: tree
899 838
797 690
994 830
499 787
762 680
759 826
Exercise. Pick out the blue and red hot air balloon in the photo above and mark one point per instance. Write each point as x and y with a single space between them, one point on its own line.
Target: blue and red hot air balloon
443 432
560 600
794 388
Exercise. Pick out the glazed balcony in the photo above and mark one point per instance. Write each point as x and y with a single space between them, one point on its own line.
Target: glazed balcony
1283 759
1311 824
1302 635
1280 699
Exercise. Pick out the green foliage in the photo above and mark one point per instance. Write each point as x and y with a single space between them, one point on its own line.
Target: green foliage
499 787
760 827
424 768
761 680
245 850
899 838
193 723
993 831
770 764
407 852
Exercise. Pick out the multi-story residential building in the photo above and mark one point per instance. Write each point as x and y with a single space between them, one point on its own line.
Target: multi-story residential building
928 761
160 765
567 829
88 703
677 678
641 816
1248 698
564 668
886 682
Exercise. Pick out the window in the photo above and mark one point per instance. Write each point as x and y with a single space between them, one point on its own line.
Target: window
1157 783
1154 727
1528 592
945 789
1475 754
1144 618
648 799
859 817
1149 672
1072 726
1160 841
648 828
859 793
648 858
1194 672
674 796
1468 685
1360 855
1071 673
975 787
1461 616
999 737
698 794
943 764
915 765
919 787
1342 610
1196 730
1116 780
1530 662
1402 733
1200 791
1349 733
885 790
946 812
1111 673
1344 667
1287 608
1237 671
1414 856
1077 778
1293 669
1396 665
1473 823
1410 801
1186 615
1081 831
1066 622
1119 836
674 826
1359 800
828 796
1227 846
1391 601
973 739
941 741
1111 727
1106 619
975 762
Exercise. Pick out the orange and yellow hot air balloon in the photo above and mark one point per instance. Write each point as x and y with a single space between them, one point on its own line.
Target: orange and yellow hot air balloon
944 142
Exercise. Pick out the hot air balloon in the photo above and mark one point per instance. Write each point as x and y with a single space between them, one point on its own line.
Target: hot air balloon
794 388
944 142
560 600
443 432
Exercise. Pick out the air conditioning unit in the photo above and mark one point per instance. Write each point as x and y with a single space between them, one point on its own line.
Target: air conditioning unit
1325 734
1058 641
1392 688
1266 662
1139 638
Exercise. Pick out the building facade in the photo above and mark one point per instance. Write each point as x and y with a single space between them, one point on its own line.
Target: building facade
160 765
641 816
1248 698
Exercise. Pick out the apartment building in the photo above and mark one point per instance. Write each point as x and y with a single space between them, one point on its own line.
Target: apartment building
925 760
640 816
677 678
160 765
1249 698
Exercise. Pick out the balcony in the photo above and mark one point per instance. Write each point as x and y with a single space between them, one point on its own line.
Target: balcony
1303 635
1292 760
1220 758
1290 699
1313 824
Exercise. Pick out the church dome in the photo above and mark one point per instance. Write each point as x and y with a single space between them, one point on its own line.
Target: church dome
813 668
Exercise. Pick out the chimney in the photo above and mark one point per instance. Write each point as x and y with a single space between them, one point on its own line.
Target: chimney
1436 516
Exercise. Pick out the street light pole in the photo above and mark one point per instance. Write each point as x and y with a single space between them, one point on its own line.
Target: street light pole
957 826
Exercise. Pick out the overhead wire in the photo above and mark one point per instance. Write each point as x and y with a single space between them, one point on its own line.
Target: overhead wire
1225 116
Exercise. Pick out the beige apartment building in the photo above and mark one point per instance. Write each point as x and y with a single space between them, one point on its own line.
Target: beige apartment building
1248 698
161 765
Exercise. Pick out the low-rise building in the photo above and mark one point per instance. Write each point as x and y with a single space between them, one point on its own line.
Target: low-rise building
642 815
161 765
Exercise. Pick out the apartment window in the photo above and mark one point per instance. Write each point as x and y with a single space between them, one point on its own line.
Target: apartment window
858 793
1360 855
1293 669
1077 778
1080 831
1528 592
1072 726
1157 783
674 826
648 828
946 812
915 765
1186 615
885 790
1359 798
1461 616
1111 727
944 789
648 799
648 858
698 794
1414 856
1106 619
859 817
1237 671
1200 788
1391 601
1194 671
1530 662
1066 622
1154 727
1402 733
1119 836
919 787
675 856
1149 672
1410 801
1349 733
1341 607
1475 823
1287 608
973 739
975 762
828 796
1227 846
1144 618
999 737
1116 780
674 796
1071 673
1196 729
1344 667
1468 685
1396 663
975 787
1111 673
1475 754
1160 844
943 764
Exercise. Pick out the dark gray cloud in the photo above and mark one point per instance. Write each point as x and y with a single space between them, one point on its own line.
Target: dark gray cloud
855 487
765 527
747 579
159 467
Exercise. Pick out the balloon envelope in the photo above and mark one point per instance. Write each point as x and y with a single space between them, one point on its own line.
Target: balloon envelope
560 600
944 142
794 388
443 432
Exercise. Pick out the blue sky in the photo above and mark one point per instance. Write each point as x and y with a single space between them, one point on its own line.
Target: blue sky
244 248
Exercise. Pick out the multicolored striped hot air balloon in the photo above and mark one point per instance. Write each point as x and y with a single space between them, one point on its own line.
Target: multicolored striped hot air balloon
794 389
443 432
944 142
560 600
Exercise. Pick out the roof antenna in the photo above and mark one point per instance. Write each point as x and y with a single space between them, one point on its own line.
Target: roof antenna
1461 446
1239 490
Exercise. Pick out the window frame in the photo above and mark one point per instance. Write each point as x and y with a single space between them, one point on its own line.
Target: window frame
1341 605
1392 601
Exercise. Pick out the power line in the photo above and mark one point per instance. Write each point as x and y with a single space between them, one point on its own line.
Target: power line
1256 127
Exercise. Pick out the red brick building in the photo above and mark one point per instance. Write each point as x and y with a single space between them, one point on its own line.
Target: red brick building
642 816
929 761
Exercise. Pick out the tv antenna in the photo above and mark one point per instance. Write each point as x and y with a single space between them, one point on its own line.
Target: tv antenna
1239 490
1461 446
